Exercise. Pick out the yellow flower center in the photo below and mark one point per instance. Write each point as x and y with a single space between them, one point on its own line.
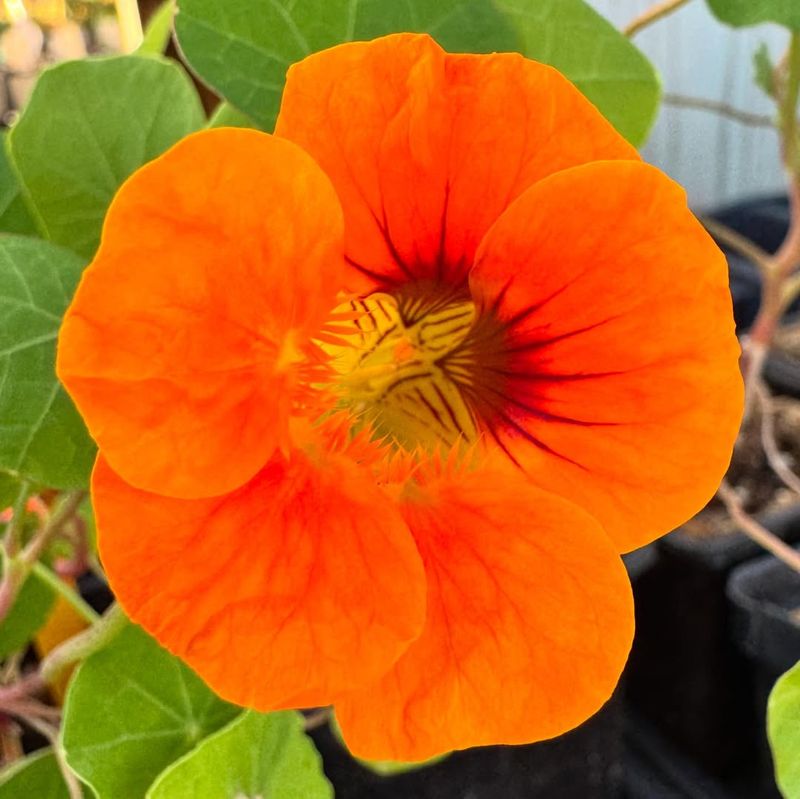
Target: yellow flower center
395 368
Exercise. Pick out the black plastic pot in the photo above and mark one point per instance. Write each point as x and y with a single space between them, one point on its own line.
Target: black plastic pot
685 675
763 593
583 764
656 770
95 591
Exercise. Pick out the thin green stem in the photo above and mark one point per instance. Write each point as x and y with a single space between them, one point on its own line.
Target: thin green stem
65 590
13 538
18 568
84 644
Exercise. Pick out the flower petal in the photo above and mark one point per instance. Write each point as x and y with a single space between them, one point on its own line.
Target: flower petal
426 149
218 261
302 584
530 620
619 385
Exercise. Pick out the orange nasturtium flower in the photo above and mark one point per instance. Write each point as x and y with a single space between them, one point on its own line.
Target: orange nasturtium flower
381 398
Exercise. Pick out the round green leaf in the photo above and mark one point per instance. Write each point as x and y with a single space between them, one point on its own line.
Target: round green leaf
29 612
783 725
595 56
256 756
34 777
243 48
14 214
41 434
131 710
87 126
753 12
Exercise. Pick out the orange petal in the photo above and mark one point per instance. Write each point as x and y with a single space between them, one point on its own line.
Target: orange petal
530 620
300 585
426 149
181 347
619 384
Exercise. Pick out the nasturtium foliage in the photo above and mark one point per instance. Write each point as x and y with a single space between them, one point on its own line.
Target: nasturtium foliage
132 709
783 724
243 48
87 126
594 55
34 777
159 29
14 214
257 755
753 12
9 489
28 613
41 434
764 71
226 116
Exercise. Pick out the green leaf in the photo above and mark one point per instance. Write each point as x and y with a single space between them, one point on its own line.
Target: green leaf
34 777
14 214
752 12
595 56
764 70
159 29
87 126
243 51
29 612
257 755
9 489
41 434
783 726
226 116
131 710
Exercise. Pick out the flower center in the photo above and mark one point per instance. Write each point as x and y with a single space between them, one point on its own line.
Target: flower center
392 370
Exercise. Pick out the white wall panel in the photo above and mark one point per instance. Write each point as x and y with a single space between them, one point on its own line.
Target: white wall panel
718 160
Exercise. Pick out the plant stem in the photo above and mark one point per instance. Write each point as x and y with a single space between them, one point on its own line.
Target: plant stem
13 537
653 14
723 109
18 567
755 531
735 241
787 258
84 644
63 589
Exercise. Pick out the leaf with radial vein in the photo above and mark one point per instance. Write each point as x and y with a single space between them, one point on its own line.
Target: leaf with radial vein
256 755
34 777
752 12
87 126
783 726
131 710
28 613
243 48
41 434
14 214
594 55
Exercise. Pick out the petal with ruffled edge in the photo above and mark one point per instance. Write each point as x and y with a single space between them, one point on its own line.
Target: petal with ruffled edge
613 374
530 620
426 149
189 331
301 585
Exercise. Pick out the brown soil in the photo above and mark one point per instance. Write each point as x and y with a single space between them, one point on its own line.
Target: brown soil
759 488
